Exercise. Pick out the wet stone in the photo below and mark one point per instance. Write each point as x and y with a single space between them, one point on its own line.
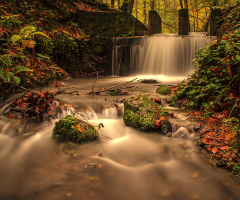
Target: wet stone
92 166
77 155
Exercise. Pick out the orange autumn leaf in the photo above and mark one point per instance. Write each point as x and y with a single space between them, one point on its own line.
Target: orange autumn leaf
205 141
195 175
214 150
79 128
37 109
224 148
228 136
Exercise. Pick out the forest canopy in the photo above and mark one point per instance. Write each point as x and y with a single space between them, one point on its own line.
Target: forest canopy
199 11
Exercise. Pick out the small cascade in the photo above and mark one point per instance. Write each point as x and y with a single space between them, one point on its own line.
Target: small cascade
165 54
121 58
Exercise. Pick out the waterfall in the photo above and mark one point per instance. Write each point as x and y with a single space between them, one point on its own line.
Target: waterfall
165 54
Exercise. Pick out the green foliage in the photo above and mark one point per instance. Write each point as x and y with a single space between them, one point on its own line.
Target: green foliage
217 75
9 73
115 92
15 38
10 20
74 130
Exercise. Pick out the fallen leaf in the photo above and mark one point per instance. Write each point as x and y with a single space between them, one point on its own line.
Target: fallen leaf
10 116
79 128
224 148
214 150
195 174
94 178
208 147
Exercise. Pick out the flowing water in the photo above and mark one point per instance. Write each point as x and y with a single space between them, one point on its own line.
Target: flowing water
165 54
124 164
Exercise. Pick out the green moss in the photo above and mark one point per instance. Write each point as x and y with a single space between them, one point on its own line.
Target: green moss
115 92
172 101
144 114
74 130
163 89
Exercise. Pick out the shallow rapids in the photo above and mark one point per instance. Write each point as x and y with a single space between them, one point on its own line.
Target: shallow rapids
127 164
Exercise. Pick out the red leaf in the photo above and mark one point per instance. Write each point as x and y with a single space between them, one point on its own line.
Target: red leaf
10 116
208 147
37 109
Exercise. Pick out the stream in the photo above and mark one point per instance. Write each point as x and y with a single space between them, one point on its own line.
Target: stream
125 164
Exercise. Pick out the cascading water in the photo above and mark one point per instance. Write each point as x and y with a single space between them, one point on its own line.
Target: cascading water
126 163
165 54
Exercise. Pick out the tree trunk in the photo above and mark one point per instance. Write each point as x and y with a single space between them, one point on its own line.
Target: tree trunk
144 12
153 5
136 8
130 6
186 4
119 5
181 4
215 2
112 3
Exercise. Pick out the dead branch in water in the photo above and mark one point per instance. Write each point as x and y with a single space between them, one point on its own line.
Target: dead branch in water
120 86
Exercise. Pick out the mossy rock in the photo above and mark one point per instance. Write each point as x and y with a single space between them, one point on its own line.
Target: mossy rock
172 101
163 89
142 113
115 92
74 130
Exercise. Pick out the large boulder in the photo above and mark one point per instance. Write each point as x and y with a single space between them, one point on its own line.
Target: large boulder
73 129
143 113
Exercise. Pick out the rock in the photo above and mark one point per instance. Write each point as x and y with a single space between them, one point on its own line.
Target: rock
74 130
180 133
144 114
74 155
163 89
92 166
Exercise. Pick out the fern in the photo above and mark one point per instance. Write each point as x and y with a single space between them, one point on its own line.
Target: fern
40 57
42 34
10 76
21 69
28 29
5 59
16 79
15 38
3 76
